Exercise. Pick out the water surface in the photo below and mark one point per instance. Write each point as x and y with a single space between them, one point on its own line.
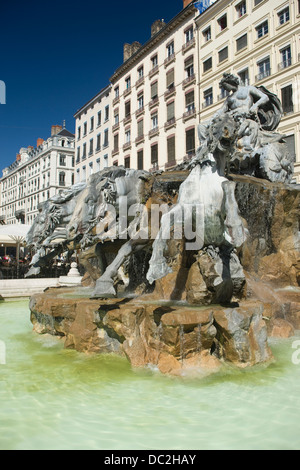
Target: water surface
51 398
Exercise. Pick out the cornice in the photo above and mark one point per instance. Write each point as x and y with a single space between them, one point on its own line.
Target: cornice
153 41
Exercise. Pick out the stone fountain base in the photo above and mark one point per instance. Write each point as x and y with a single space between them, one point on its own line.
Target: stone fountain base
176 338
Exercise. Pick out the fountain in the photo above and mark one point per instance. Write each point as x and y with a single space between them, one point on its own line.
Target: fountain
187 269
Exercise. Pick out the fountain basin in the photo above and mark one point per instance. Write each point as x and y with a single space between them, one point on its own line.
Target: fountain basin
176 338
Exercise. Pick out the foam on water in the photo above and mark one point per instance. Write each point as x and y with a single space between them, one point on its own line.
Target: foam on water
51 398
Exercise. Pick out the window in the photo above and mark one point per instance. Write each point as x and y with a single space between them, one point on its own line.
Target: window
257 2
189 35
99 119
170 111
117 92
128 136
154 121
98 164
78 154
171 149
62 160
244 77
262 29
207 64
242 42
286 57
208 97
189 67
62 179
128 83
141 101
116 142
91 168
127 162
287 99
170 49
106 116
284 15
190 141
222 22
170 79
241 9
154 154
98 142
85 128
264 68
140 128
207 34
290 142
91 147
127 109
116 117
154 61
92 124
105 144
140 160
79 133
84 151
141 72
223 54
190 101
154 90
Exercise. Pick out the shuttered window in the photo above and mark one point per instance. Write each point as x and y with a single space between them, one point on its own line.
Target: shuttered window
154 90
207 64
170 79
190 141
171 149
223 54
154 154
242 42
171 111
140 159
140 128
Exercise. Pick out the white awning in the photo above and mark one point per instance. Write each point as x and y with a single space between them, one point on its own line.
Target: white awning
13 234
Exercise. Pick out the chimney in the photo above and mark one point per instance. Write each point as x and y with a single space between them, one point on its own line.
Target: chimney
157 26
130 49
39 142
55 130
18 157
186 3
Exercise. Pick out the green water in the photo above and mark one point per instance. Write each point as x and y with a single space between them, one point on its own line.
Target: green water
51 398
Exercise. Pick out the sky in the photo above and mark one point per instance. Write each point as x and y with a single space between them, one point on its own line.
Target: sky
56 55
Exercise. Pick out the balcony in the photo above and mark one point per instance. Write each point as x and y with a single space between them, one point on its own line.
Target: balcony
115 151
154 131
284 64
153 71
127 146
189 114
170 92
127 119
188 45
140 139
140 82
171 164
116 126
116 100
208 102
140 111
154 168
189 80
127 91
190 155
171 58
153 102
170 123
22 179
262 75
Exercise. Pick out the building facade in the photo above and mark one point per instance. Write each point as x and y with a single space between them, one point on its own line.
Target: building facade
154 97
36 175
93 135
259 40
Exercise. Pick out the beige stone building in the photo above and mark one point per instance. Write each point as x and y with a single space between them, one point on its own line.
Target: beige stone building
154 96
36 175
93 135
260 41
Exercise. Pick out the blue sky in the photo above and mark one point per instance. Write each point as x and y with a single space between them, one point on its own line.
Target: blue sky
56 55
